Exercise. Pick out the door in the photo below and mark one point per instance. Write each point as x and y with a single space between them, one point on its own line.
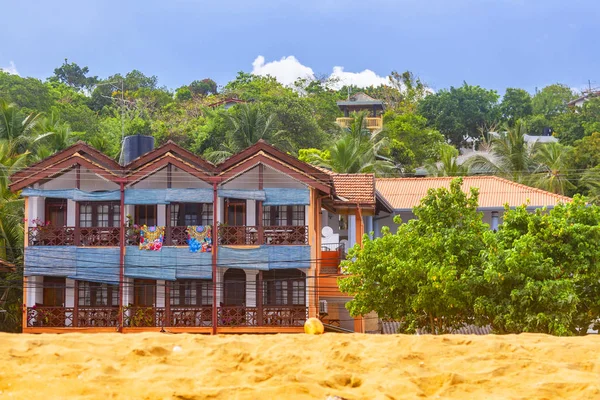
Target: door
234 287
143 312
56 212
144 292
236 213
54 292
52 312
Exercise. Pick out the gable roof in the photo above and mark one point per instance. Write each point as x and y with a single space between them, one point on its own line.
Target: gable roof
360 99
494 192
78 154
354 188
262 152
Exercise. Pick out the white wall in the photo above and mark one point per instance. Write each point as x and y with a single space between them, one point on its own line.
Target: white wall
271 179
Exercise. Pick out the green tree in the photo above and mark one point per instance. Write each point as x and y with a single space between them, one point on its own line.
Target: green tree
411 129
28 94
248 125
551 173
552 100
458 112
74 76
422 274
541 271
203 88
516 104
15 127
448 164
513 157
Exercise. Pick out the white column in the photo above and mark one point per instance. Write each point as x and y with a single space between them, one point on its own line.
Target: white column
127 291
69 298
71 212
220 274
370 226
35 291
351 231
251 276
494 220
160 293
161 211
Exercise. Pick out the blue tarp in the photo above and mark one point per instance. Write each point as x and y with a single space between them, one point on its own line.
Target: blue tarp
189 195
242 194
264 257
286 197
97 265
73 194
169 263
50 261
166 196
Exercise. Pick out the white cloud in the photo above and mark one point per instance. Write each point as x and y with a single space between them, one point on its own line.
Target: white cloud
289 69
362 79
11 69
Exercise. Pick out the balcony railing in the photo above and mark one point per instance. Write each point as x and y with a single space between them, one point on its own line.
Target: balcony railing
176 316
262 316
256 235
174 236
71 236
372 123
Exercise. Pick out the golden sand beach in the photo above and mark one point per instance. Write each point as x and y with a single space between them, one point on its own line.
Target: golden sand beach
353 366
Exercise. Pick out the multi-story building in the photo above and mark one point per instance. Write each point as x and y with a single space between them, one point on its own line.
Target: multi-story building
252 266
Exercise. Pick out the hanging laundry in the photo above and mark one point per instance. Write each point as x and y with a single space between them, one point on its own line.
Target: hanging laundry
200 238
151 237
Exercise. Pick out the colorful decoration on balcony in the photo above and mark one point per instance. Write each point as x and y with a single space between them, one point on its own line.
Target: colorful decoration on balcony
151 237
200 238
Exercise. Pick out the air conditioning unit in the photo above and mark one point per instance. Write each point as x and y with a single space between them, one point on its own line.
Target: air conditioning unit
322 306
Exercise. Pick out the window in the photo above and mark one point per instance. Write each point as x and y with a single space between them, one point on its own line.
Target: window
283 215
99 214
94 294
186 214
191 292
145 214
56 212
286 288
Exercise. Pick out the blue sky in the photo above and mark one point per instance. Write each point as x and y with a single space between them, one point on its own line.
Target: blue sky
492 43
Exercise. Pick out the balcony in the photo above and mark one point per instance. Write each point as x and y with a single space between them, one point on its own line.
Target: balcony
259 235
157 317
372 123
174 236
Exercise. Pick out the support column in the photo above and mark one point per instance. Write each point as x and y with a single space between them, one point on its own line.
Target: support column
25 244
214 250
259 298
259 218
359 325
122 259
76 305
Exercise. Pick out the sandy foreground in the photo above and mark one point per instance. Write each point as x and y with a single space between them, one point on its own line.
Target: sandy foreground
353 366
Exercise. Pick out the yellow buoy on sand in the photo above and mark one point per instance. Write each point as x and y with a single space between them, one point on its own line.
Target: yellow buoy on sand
313 326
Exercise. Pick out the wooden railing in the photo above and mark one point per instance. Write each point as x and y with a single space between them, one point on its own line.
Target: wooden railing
174 236
262 316
256 235
140 317
371 123
51 317
72 236
97 317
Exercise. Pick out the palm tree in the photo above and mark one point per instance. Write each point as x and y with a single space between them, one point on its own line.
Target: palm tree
552 159
512 156
248 125
53 133
357 151
448 164
16 127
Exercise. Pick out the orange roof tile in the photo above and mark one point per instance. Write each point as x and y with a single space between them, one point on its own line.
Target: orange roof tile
494 192
355 188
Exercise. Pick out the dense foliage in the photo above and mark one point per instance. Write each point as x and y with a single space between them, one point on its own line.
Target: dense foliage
422 128
445 269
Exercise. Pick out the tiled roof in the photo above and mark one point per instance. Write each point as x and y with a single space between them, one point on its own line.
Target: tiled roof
391 328
355 188
494 192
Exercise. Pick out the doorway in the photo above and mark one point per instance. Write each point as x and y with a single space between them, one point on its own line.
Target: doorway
234 285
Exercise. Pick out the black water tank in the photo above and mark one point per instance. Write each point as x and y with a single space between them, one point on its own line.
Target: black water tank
135 146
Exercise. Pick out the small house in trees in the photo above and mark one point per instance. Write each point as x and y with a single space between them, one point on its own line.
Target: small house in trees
361 102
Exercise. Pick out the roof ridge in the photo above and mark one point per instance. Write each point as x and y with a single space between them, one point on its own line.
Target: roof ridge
521 185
